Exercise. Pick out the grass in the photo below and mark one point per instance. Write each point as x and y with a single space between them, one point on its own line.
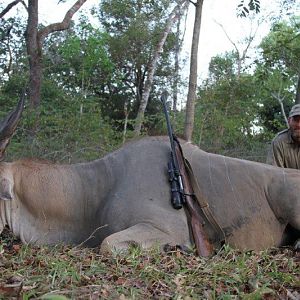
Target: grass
62 272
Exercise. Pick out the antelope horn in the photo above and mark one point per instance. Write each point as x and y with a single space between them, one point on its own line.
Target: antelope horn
9 124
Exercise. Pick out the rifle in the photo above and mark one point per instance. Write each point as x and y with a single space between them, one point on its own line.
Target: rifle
181 191
177 189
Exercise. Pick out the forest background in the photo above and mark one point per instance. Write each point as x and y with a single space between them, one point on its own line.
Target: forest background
85 86
94 77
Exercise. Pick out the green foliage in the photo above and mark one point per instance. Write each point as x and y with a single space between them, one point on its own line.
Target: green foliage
79 60
226 108
281 47
12 47
71 129
94 78
221 67
108 66
236 113
134 29
277 74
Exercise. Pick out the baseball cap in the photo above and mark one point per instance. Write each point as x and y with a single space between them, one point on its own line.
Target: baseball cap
295 111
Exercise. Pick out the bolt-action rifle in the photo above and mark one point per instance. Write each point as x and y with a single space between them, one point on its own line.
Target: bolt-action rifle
177 189
182 192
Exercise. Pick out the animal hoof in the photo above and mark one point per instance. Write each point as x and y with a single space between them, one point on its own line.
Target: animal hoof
181 248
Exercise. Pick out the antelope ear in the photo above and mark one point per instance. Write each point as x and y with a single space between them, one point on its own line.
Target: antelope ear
5 189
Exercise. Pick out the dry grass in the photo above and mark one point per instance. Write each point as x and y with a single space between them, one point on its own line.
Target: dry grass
61 272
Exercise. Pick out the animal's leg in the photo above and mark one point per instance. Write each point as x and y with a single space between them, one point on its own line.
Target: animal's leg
142 234
290 236
295 222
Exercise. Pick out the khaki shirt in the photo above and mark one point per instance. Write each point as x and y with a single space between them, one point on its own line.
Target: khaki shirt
284 152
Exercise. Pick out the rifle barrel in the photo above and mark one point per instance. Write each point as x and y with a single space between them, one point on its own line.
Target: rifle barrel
169 127
178 199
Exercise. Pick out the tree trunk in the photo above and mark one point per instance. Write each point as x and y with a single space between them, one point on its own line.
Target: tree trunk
178 47
297 100
34 41
126 113
152 67
176 66
191 98
34 52
34 44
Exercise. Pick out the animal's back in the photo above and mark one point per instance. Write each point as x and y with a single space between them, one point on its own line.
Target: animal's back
237 192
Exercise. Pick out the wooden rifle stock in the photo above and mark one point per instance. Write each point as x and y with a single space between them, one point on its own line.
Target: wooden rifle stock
203 246
182 193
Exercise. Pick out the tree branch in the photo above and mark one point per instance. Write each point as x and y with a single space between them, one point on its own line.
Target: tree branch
62 25
9 7
280 100
230 40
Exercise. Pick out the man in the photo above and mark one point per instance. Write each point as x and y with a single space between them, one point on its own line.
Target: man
285 147
285 153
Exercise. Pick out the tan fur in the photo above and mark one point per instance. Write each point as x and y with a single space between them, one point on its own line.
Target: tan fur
124 198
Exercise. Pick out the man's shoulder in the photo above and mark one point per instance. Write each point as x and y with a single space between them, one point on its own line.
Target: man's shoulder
282 136
283 132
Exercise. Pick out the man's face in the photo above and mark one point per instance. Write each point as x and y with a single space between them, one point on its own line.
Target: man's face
294 123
